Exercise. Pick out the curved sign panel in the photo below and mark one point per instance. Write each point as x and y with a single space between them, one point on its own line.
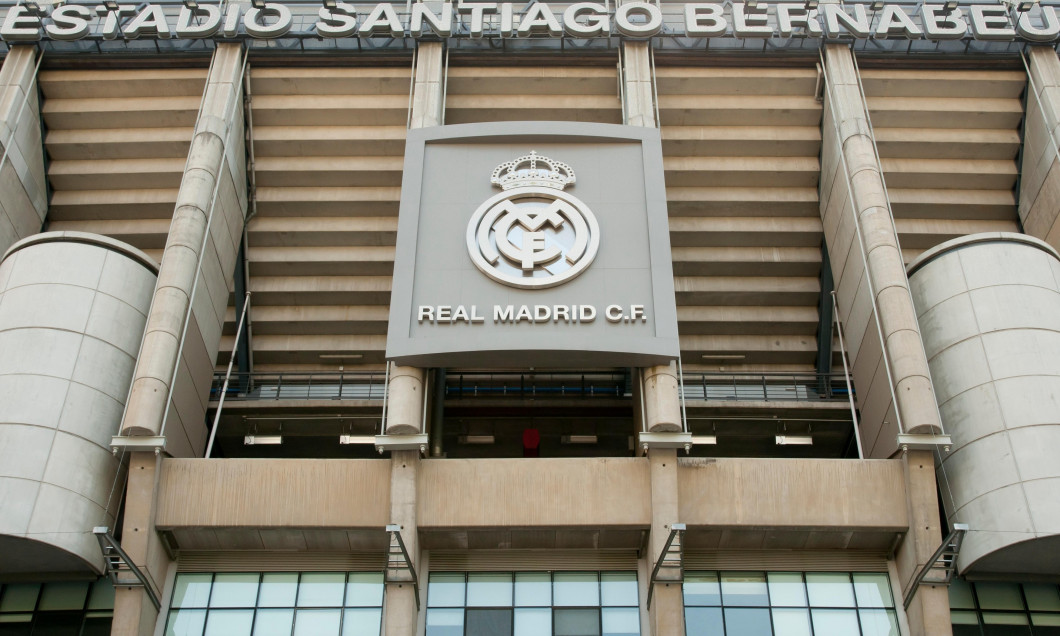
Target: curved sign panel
567 265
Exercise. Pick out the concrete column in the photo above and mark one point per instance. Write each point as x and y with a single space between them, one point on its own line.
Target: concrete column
133 612
212 167
929 613
640 98
405 401
662 403
23 198
885 269
1039 206
667 612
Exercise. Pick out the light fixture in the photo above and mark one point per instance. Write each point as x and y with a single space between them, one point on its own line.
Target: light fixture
257 4
794 440
339 356
811 4
191 4
751 4
476 439
357 439
34 7
330 5
256 440
1025 5
723 356
876 5
710 440
111 5
949 6
577 439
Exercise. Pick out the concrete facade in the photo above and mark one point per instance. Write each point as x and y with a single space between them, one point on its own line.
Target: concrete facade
72 311
258 169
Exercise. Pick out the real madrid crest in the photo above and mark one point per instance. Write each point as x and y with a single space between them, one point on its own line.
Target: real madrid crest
533 234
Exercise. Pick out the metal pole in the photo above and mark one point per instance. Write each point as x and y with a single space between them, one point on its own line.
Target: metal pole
228 375
846 376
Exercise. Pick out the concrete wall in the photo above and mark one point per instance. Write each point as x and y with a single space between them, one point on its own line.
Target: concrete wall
24 203
72 312
989 305
1040 173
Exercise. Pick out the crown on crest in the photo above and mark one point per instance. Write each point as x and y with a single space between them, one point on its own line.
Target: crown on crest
532 170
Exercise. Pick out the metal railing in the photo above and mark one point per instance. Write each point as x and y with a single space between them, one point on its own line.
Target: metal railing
768 387
528 385
357 385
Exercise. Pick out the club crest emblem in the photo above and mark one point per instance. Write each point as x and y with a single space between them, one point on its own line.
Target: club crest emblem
533 235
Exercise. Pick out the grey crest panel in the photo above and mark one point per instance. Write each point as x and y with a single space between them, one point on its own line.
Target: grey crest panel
568 265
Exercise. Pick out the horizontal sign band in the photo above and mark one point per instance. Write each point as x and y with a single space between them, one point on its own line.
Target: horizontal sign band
637 20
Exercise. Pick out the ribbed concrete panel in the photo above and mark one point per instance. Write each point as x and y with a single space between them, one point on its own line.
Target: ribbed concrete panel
948 140
1040 172
24 200
117 143
740 153
329 146
72 313
532 93
989 306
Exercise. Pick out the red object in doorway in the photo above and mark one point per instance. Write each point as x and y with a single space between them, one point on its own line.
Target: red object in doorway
531 441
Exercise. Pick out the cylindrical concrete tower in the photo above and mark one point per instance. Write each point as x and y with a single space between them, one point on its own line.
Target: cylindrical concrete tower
72 312
989 311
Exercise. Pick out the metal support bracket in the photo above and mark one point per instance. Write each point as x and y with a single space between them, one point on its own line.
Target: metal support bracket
117 565
138 443
401 442
911 441
399 567
942 564
671 563
648 440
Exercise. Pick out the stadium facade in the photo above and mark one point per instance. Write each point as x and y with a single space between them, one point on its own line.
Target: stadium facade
489 318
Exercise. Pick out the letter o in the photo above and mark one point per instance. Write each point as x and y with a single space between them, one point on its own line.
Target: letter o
646 30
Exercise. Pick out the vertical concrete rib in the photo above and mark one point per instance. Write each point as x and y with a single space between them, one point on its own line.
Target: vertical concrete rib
1039 202
662 403
871 238
859 230
199 257
406 396
173 373
24 200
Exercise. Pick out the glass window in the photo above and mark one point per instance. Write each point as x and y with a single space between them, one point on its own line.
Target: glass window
744 589
278 590
999 596
488 622
618 589
533 589
576 622
489 590
445 622
364 589
703 621
276 604
533 621
229 622
961 595
445 590
19 597
789 604
274 622
786 589
747 621
102 596
830 589
63 596
702 589
1041 598
192 590
234 590
576 589
320 589
873 590
620 621
790 621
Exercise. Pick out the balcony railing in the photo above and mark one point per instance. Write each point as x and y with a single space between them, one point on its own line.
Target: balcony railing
530 385
359 385
767 387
